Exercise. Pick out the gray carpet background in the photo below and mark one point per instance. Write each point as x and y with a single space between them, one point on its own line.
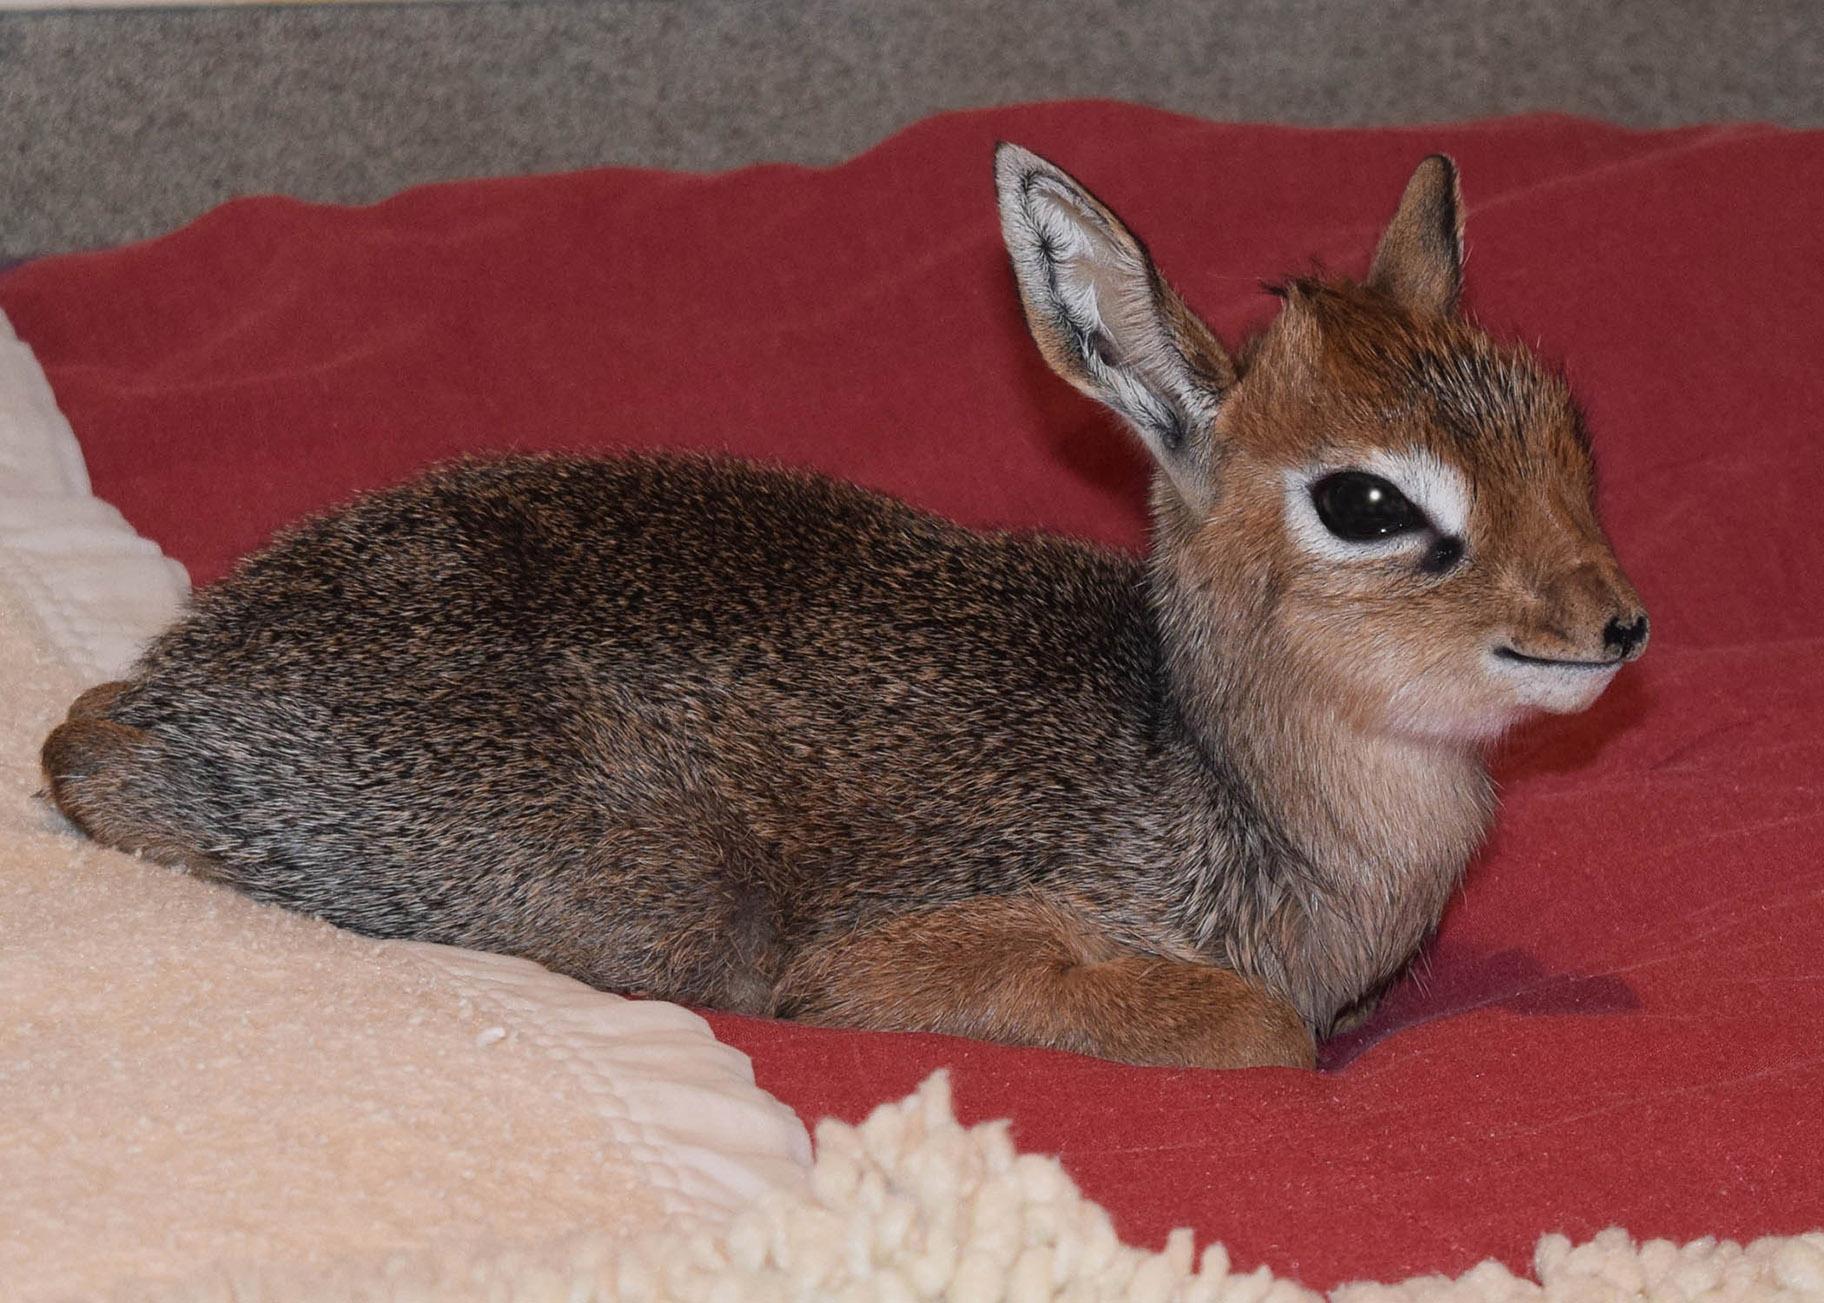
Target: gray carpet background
120 125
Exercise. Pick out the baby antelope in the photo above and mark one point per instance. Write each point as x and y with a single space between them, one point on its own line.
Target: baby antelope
758 740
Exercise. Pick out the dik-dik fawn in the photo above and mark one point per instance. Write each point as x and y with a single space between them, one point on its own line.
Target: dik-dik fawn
762 741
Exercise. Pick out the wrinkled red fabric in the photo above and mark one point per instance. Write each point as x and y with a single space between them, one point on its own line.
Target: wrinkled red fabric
1620 1020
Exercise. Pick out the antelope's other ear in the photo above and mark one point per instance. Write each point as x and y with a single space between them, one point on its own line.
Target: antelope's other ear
1419 261
1106 321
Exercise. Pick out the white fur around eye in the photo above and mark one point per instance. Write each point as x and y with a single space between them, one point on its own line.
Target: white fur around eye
1434 487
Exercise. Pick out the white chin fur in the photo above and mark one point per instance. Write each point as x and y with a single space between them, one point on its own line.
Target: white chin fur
1560 689
1438 709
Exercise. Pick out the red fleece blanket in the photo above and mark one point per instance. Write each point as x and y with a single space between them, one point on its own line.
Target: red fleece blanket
1620 1020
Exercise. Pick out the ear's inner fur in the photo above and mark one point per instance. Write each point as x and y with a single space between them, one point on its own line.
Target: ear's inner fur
1107 322
1105 297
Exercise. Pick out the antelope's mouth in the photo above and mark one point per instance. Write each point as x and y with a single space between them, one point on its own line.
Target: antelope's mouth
1554 663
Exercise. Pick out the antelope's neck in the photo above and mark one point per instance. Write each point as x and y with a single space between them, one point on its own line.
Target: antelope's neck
1371 832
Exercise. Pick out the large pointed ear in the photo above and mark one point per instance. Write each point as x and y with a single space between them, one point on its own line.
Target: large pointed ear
1106 321
1419 261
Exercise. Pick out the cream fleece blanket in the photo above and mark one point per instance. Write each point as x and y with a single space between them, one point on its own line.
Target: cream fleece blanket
205 1099
197 1090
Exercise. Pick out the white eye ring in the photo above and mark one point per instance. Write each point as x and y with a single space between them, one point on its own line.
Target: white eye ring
1436 488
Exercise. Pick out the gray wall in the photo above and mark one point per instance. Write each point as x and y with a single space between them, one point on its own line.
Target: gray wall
115 126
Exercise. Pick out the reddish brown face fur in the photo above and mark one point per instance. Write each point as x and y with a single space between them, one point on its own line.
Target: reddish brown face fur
1378 510
1423 633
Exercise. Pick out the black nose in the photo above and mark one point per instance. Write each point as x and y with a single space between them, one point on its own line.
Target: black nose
1625 639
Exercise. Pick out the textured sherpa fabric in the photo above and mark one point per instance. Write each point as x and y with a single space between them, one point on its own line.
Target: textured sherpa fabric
911 1205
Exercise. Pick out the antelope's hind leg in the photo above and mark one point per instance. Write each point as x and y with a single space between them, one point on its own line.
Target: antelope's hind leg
1022 971
106 778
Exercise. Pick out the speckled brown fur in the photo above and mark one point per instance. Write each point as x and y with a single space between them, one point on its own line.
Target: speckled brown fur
756 739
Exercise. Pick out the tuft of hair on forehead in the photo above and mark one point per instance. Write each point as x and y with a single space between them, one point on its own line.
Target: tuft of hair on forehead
1480 392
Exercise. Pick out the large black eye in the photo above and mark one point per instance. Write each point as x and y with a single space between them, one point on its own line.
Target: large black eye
1360 507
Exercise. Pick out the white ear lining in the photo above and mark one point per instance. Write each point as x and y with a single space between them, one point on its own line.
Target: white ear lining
1043 223
1081 268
